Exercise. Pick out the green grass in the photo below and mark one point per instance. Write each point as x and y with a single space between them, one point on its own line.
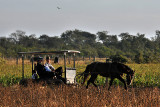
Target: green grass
146 75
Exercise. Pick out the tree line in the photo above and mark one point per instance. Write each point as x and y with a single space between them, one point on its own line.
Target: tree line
126 47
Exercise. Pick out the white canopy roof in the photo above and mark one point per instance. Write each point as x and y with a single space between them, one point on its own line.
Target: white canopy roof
50 52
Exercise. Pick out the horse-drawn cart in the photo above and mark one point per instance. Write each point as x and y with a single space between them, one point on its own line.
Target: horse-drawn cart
69 73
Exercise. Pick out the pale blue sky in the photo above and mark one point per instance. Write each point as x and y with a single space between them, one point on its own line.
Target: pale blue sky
116 16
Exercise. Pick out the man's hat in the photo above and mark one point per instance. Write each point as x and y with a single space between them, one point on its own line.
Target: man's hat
47 58
37 58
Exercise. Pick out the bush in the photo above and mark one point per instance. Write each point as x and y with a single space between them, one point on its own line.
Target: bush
119 58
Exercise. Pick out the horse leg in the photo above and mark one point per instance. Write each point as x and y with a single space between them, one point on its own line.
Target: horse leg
91 80
86 74
123 81
110 83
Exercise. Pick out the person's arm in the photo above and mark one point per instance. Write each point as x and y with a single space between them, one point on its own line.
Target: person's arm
51 67
47 69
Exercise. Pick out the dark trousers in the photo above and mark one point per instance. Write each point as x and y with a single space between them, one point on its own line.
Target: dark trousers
57 73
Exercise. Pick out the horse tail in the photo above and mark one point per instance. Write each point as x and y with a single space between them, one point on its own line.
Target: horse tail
86 73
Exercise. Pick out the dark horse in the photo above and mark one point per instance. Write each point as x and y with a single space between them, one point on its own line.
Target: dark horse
112 70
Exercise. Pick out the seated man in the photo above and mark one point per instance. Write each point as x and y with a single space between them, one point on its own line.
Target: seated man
49 68
48 71
41 70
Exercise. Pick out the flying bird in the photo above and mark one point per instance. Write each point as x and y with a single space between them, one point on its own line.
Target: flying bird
58 8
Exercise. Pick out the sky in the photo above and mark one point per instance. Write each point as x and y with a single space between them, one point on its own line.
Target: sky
53 17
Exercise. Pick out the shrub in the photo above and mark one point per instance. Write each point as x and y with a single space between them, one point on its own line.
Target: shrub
119 58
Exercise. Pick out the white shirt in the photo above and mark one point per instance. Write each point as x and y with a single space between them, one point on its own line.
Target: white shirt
48 67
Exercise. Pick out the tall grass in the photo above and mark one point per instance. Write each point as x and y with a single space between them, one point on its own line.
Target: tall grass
68 96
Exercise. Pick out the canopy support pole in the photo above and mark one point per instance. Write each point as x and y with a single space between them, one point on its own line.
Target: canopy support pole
22 66
65 65
32 64
74 60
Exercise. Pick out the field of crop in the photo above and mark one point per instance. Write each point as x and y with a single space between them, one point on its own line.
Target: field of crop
144 91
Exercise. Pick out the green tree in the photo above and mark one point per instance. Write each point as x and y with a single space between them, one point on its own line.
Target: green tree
102 36
16 36
125 44
78 38
139 58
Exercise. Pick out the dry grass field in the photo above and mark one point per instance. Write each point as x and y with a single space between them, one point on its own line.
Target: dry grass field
69 96
144 92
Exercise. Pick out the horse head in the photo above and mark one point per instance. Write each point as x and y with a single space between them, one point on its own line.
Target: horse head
127 70
130 77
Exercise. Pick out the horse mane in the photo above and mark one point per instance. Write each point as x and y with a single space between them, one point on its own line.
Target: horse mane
123 66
